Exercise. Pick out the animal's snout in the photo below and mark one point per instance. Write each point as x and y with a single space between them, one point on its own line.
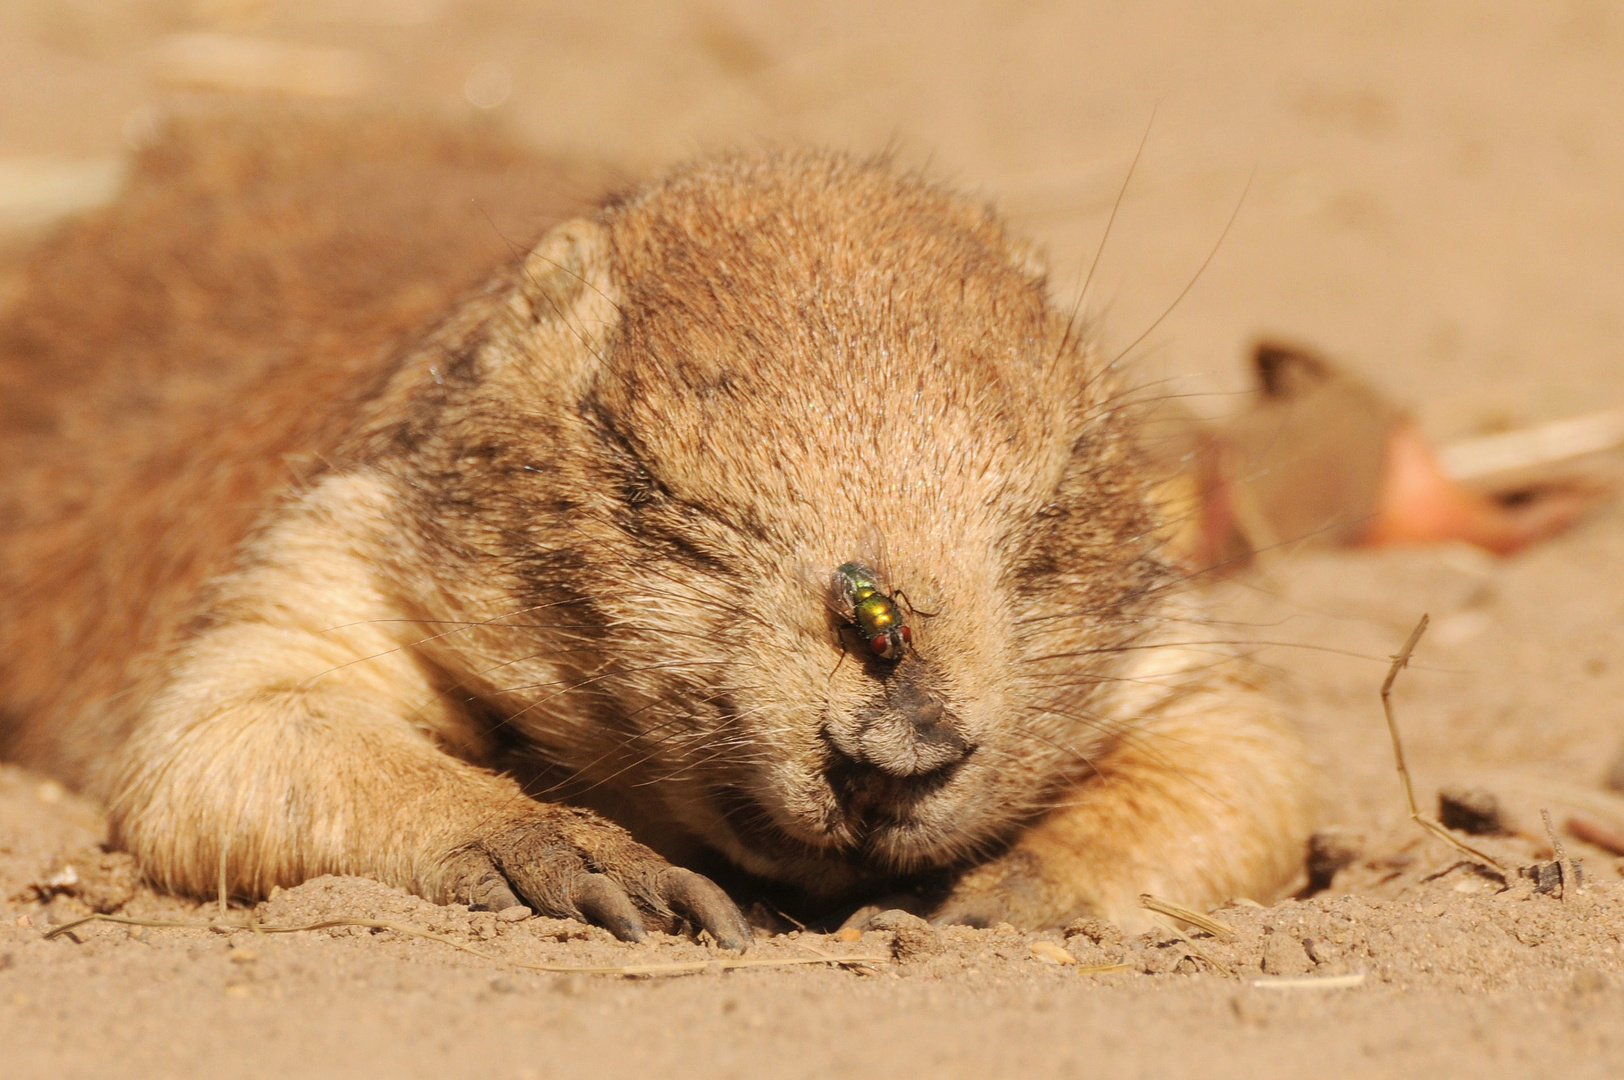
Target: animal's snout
910 731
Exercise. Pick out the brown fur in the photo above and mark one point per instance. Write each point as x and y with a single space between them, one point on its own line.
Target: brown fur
572 547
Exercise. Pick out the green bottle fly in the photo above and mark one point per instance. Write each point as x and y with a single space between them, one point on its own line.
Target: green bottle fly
860 601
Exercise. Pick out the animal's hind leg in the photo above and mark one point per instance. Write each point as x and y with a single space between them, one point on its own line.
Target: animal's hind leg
1203 801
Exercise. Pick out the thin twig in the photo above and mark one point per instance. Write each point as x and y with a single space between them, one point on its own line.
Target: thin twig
1401 660
1196 952
860 968
225 906
1564 865
1219 930
686 967
792 920
1216 927
1534 447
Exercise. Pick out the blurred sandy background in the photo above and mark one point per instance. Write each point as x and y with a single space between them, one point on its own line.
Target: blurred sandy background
1433 192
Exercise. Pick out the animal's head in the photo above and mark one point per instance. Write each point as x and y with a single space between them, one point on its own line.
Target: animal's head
727 385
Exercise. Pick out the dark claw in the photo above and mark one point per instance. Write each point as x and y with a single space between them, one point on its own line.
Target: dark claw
571 864
493 893
478 883
606 904
703 903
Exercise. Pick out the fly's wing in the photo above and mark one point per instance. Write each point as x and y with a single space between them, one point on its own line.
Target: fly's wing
826 586
871 552
868 553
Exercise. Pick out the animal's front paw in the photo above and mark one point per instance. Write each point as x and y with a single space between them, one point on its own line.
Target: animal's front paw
570 863
1016 888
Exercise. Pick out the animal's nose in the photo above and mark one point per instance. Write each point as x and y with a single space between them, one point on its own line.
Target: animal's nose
909 732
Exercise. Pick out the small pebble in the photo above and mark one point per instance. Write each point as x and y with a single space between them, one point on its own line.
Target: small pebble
910 943
516 913
895 919
1098 931
1546 876
850 933
1050 953
1285 955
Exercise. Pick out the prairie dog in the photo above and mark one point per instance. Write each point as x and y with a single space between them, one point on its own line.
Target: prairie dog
396 583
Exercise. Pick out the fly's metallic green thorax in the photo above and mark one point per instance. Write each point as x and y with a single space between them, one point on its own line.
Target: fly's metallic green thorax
874 614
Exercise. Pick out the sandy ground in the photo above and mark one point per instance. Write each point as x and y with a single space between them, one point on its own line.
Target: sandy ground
1431 192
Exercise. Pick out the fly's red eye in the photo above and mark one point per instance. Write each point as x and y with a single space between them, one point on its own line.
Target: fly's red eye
881 645
907 635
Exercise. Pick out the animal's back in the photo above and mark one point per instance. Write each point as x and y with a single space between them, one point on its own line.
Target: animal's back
180 357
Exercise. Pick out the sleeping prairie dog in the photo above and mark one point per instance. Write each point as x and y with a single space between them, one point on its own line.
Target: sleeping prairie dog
613 528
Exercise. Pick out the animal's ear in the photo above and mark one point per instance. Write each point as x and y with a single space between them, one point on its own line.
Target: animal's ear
566 302
1287 371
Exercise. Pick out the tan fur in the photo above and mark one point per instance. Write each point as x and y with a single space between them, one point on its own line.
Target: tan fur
573 546
1201 798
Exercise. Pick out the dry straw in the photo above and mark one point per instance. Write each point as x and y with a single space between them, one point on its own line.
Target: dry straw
1401 660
